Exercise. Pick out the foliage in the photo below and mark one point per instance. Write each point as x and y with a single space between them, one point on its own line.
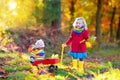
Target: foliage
51 11
21 68
14 63
108 76
38 10
18 76
81 9
5 38
16 13
32 13
87 9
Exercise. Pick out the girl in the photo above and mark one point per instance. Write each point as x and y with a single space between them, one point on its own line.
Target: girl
37 51
78 37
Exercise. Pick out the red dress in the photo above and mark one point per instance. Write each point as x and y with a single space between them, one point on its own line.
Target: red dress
75 39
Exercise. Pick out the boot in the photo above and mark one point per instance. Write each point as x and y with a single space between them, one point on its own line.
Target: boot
81 66
74 63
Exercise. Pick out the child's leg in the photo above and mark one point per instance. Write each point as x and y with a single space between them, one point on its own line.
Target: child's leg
74 59
81 65
75 63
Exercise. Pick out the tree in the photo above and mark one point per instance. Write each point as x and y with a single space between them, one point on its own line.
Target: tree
98 16
111 27
72 10
118 32
51 13
38 11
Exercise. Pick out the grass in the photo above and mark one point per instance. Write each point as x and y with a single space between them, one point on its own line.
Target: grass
17 68
16 76
112 74
13 63
106 53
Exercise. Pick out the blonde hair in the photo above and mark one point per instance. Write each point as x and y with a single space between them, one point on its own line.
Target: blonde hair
85 24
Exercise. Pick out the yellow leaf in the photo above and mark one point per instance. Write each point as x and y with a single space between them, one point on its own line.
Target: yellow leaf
88 45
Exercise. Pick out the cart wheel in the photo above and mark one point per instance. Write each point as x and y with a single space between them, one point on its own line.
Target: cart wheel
56 68
51 68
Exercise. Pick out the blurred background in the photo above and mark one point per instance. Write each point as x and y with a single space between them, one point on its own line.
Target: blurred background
22 22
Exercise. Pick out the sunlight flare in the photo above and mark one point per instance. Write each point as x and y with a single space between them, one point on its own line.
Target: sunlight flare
12 5
14 13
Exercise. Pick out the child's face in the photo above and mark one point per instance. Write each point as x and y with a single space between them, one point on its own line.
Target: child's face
79 23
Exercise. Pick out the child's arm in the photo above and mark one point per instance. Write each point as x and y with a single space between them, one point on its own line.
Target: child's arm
32 57
85 36
70 39
82 41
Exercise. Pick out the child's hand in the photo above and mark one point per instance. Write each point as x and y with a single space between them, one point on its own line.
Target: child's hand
32 60
82 41
64 45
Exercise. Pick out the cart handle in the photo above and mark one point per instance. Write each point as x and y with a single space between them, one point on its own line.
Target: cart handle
62 54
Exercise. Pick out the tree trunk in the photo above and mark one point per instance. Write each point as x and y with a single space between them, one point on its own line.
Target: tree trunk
72 10
57 22
111 27
118 33
98 16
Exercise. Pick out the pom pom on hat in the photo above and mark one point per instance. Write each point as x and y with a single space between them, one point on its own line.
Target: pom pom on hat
39 43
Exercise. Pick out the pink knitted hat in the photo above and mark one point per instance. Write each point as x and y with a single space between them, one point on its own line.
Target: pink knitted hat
39 43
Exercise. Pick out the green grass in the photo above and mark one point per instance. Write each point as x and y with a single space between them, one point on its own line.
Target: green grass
110 58
112 74
109 54
16 76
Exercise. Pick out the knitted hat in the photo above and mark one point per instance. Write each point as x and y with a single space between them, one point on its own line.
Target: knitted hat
39 43
78 20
